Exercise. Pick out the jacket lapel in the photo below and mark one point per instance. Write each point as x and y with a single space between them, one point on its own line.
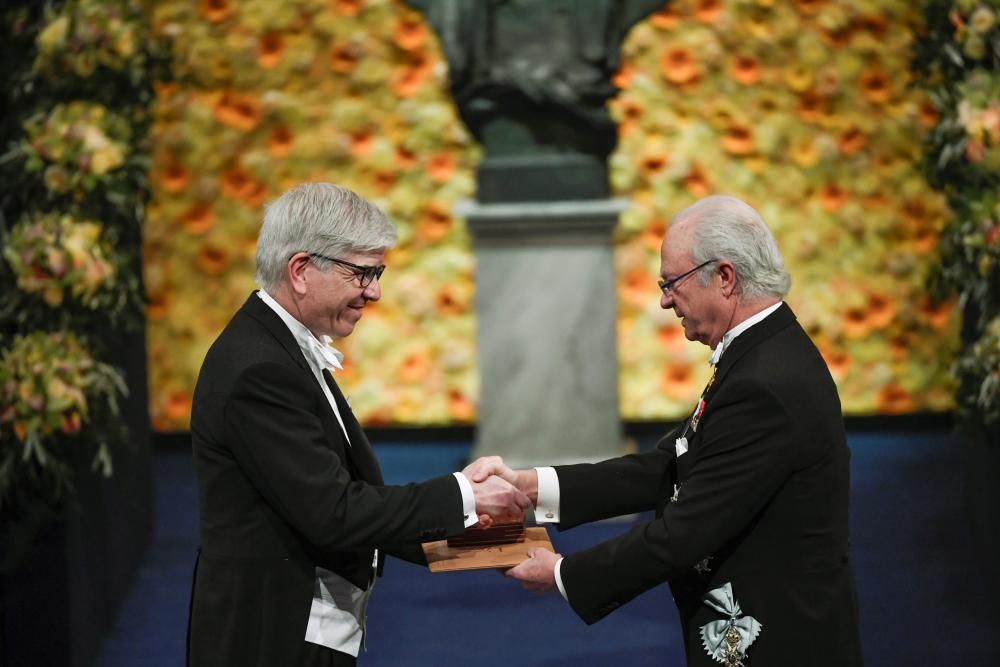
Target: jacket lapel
750 339
743 343
359 451
260 311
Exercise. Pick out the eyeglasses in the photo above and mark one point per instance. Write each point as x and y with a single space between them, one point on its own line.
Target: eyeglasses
667 285
364 274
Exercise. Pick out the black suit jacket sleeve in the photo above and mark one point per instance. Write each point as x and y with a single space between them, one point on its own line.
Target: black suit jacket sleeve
281 446
738 469
612 488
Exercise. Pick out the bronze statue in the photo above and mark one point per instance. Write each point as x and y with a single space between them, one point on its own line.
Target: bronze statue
531 79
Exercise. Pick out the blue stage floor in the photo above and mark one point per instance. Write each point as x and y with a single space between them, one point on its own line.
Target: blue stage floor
921 603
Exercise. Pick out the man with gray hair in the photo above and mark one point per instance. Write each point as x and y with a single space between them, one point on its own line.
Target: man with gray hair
750 493
295 518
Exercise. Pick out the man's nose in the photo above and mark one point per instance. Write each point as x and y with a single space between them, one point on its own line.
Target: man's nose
374 291
666 300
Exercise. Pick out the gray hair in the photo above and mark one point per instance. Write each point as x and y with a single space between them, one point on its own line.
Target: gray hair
318 217
725 227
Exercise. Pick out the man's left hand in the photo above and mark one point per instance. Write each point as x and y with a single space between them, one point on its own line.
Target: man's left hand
538 572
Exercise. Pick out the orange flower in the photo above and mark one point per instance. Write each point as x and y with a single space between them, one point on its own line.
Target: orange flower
361 143
671 336
239 185
927 114
653 162
679 66
157 305
449 303
881 311
623 77
810 106
441 167
407 79
808 6
875 85
677 381
280 143
240 111
434 224
415 368
211 259
175 177
696 182
832 197
405 158
938 315
893 399
855 322
838 361
653 233
745 70
410 32
215 10
460 408
165 89
852 140
707 11
637 287
344 58
177 407
839 38
667 18
269 50
347 7
384 180
199 218
873 24
738 139
630 111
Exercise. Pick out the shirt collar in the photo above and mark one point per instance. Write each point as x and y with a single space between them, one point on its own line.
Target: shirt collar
318 352
728 337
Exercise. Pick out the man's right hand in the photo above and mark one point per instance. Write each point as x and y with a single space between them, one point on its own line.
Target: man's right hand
482 468
497 500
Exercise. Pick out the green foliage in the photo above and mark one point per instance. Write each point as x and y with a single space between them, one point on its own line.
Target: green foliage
77 82
959 61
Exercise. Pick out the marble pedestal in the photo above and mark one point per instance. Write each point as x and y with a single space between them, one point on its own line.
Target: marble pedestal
546 311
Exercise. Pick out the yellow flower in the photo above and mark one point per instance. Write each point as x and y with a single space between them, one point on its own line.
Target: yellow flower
982 20
53 35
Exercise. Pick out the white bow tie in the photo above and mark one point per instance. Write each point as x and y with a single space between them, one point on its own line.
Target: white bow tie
322 355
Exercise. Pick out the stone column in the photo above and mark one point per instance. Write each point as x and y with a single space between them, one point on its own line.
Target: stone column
546 313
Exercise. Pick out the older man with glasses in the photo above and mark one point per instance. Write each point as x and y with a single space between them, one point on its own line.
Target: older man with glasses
750 493
295 519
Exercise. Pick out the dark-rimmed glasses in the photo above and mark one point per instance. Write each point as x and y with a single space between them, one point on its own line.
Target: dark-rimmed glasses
667 285
364 274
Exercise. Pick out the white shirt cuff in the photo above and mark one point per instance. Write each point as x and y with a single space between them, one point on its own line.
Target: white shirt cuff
547 505
559 583
468 500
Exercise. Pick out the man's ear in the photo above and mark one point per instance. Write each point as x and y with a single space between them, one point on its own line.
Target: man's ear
295 271
727 273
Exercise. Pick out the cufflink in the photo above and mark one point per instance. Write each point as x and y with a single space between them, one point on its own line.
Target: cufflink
549 515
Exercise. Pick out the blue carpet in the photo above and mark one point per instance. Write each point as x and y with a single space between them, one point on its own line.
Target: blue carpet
918 586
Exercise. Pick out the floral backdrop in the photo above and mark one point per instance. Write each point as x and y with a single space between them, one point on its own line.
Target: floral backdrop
805 108
76 86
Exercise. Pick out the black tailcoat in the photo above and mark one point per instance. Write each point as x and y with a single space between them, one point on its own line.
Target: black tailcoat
763 495
282 492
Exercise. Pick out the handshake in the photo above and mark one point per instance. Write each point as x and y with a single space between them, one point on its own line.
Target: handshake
502 496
